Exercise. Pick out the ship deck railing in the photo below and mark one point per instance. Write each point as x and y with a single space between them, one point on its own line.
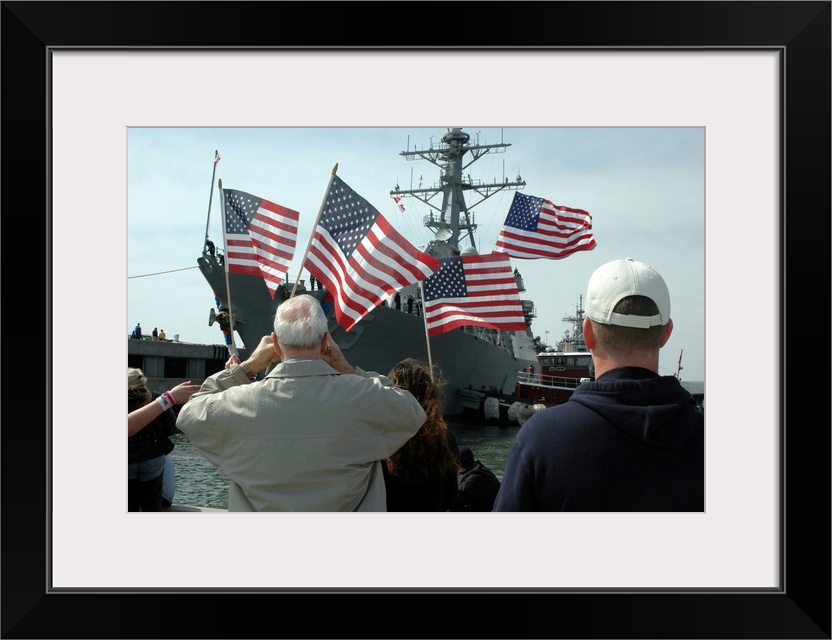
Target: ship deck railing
536 379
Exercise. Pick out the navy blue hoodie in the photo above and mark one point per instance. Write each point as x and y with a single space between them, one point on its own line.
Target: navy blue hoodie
629 441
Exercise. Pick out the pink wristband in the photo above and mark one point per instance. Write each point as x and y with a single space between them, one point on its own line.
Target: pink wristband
164 402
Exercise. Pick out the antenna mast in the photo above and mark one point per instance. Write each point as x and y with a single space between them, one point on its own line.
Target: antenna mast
452 221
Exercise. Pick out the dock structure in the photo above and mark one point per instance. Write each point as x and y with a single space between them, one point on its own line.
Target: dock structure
167 363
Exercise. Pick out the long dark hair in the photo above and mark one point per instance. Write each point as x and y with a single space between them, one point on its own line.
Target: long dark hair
427 454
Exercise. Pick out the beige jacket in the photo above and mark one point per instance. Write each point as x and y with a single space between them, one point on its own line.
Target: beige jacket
305 438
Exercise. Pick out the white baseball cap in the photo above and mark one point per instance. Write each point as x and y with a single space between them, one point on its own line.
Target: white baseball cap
618 279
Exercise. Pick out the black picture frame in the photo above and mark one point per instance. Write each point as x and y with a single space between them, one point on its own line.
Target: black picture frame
800 608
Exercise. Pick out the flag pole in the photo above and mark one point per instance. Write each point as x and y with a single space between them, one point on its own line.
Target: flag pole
314 228
232 348
211 196
425 320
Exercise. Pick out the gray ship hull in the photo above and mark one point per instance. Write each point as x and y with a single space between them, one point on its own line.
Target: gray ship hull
382 338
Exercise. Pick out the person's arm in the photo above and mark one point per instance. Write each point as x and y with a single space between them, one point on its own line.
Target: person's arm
195 418
261 358
139 418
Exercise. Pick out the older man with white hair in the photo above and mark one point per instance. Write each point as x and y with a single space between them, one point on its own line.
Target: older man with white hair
310 435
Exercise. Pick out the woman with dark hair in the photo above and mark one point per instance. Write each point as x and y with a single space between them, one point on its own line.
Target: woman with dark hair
422 474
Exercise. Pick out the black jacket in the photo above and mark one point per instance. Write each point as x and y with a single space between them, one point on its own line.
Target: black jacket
437 496
630 440
153 440
477 489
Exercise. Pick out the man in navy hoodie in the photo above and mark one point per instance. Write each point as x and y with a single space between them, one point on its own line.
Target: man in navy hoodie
629 440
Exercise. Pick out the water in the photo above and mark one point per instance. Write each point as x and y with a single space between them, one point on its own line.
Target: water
490 443
694 386
201 484
198 482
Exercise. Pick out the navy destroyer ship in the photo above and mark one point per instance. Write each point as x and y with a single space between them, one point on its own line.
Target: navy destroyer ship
473 362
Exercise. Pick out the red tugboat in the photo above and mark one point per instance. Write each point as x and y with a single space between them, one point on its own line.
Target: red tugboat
557 375
559 371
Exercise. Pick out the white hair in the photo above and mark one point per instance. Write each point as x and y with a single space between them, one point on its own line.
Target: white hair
300 322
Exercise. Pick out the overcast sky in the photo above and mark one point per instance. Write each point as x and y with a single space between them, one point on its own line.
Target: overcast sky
643 186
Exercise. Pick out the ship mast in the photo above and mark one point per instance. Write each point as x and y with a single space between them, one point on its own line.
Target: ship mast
577 335
452 222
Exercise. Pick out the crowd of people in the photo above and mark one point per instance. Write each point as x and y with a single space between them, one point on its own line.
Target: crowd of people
296 427
156 334
411 305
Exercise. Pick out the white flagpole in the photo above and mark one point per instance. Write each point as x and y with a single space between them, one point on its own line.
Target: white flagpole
425 319
232 348
210 197
309 244
314 228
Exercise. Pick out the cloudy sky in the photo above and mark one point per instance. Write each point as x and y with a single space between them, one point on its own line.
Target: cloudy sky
644 186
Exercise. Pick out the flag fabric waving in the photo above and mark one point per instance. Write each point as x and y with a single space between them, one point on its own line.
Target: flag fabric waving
398 201
537 228
260 237
216 158
478 290
359 257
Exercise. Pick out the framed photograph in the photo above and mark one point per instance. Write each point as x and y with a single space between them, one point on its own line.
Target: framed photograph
755 75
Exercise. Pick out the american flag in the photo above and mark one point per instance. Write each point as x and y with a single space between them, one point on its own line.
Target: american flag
216 158
359 257
398 201
537 228
260 237
477 290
